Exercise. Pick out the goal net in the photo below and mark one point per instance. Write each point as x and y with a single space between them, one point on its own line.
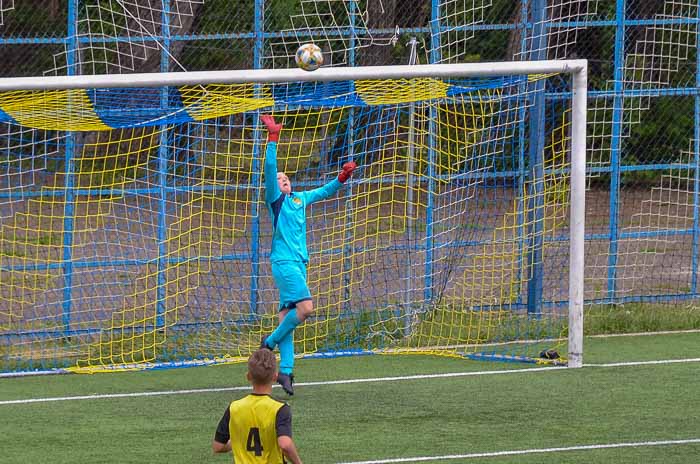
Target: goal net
134 233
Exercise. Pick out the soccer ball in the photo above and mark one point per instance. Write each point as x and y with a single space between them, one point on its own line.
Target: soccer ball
309 57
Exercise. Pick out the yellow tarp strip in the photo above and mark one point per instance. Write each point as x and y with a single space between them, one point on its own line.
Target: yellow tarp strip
62 110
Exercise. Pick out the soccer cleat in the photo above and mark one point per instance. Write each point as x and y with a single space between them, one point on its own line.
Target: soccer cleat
549 354
263 343
287 382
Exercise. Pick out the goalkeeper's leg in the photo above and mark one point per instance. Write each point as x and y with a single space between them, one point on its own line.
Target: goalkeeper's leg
287 353
286 344
289 320
286 330
295 299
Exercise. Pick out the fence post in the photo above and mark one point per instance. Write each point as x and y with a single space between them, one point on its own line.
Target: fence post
163 175
435 57
696 170
73 68
348 248
255 166
615 148
535 194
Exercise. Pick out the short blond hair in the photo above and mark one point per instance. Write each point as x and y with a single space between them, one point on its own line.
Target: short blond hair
262 366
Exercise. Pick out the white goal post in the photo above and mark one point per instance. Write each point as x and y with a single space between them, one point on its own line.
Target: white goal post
576 69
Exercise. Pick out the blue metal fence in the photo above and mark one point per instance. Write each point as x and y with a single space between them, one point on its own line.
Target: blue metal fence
534 25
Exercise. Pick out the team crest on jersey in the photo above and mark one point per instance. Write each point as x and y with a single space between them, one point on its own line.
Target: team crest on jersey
297 201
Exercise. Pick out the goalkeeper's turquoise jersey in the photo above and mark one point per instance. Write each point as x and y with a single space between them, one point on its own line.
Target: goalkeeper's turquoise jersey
288 212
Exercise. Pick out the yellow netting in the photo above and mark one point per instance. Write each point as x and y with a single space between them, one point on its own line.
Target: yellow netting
156 250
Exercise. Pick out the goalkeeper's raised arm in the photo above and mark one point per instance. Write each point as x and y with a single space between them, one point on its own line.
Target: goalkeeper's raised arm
272 190
289 255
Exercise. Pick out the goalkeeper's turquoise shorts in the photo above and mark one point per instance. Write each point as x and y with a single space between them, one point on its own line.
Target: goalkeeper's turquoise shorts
290 279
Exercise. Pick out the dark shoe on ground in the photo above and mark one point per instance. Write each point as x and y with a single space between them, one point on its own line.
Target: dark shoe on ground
263 343
287 382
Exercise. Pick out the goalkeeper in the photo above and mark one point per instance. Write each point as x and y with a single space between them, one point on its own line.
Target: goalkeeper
289 255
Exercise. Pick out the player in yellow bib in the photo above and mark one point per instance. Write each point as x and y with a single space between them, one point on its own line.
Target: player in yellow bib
258 428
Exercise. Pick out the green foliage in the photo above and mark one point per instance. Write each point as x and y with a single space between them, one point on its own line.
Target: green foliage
200 55
638 317
220 16
663 131
47 18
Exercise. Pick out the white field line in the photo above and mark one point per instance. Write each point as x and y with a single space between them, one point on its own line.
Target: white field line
644 334
338 382
531 451
645 363
305 384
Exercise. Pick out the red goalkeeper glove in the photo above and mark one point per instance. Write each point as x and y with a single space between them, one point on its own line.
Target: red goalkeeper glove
347 171
273 129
